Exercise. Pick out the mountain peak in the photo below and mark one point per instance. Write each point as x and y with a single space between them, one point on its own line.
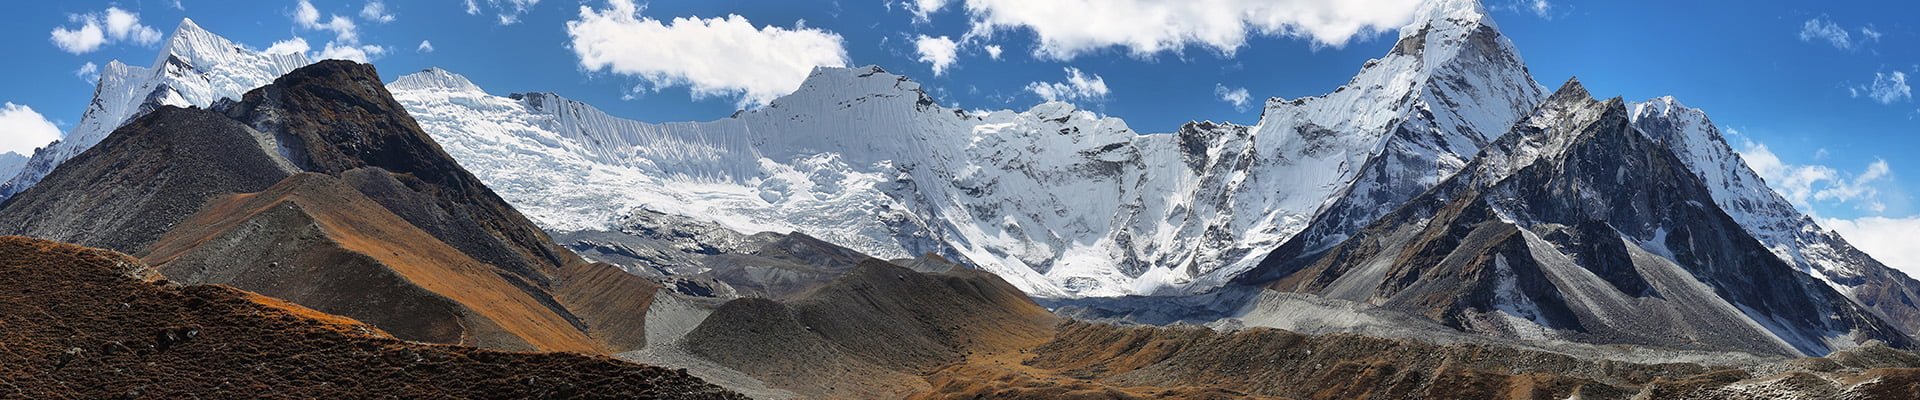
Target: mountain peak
1455 13
1572 90
435 78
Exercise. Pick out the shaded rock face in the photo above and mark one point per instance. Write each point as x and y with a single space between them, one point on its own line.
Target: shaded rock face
89 323
365 205
1576 226
141 182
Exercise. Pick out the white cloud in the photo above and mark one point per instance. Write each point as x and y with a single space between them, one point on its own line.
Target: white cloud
22 129
376 11
1821 29
295 45
1069 28
1078 86
1887 88
993 51
1889 240
346 40
1541 8
1868 33
939 51
719 57
1808 185
507 12
425 47
89 72
1238 97
350 52
178 6
102 28
923 9
125 26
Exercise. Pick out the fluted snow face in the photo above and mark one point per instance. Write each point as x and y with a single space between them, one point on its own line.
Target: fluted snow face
195 68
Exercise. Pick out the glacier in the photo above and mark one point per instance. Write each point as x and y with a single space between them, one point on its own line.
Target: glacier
1060 201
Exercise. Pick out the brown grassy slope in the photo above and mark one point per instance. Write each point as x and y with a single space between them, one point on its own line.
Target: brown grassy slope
74 324
315 241
873 332
1102 361
337 116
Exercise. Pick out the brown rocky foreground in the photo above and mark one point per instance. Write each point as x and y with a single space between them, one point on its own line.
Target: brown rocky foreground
82 323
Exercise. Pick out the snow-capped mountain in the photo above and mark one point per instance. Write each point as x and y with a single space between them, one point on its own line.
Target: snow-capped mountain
194 68
1578 226
1792 236
1060 201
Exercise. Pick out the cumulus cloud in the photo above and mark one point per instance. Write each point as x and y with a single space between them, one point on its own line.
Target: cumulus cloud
939 51
1808 185
993 51
102 28
425 47
295 45
376 11
1889 240
1078 86
22 129
714 57
1069 28
89 72
1887 88
1238 97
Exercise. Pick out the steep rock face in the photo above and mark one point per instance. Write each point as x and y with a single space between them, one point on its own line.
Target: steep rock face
1059 201
1770 218
1578 226
194 68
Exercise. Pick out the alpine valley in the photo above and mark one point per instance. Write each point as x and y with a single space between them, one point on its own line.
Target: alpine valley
1441 226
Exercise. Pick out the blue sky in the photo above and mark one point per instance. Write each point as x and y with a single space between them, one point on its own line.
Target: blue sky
1816 92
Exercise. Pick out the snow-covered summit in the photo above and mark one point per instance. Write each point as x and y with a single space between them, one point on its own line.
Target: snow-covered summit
194 68
435 78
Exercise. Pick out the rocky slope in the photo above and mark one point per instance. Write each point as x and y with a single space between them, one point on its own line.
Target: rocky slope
1088 360
1578 226
322 169
91 323
194 68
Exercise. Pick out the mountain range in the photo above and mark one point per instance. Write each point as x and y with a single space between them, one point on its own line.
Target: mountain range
856 238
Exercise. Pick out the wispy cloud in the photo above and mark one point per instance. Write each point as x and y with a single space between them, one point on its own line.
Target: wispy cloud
1821 29
1887 88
